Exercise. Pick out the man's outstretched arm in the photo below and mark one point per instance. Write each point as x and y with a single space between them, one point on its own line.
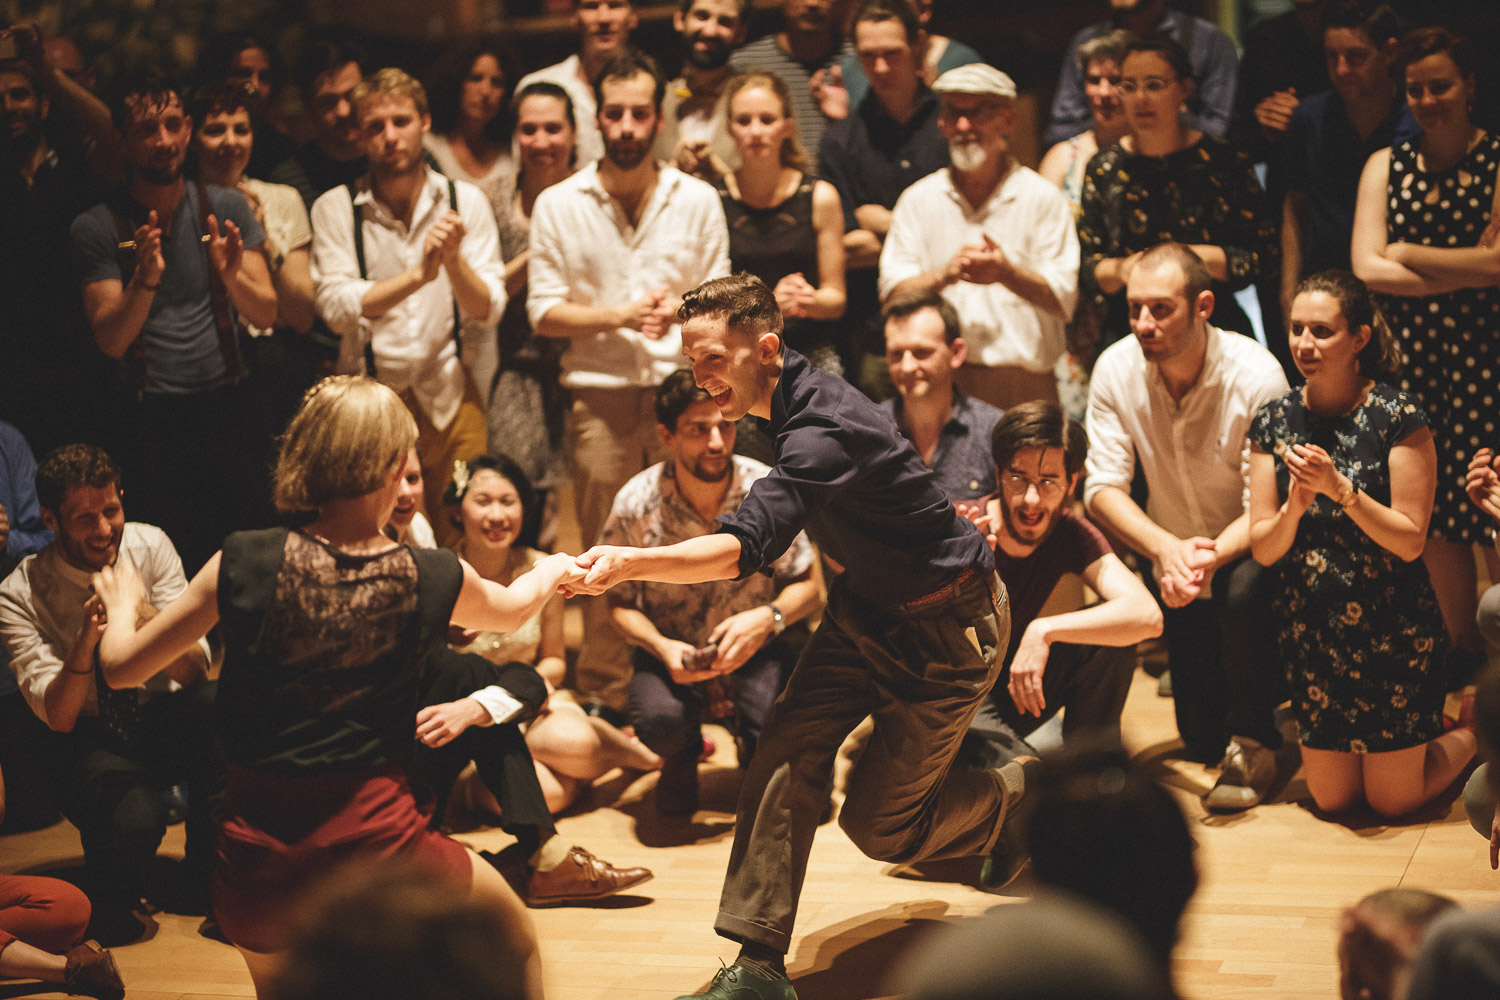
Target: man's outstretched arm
696 560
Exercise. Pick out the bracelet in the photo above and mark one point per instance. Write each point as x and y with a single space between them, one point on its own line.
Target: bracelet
1348 496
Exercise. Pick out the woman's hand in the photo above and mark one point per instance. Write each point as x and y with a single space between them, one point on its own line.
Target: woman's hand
1482 482
794 295
1312 468
120 588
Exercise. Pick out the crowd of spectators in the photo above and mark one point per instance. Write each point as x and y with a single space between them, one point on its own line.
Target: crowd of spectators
1070 351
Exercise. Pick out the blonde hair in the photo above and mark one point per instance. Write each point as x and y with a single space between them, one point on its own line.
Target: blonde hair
792 153
389 82
348 436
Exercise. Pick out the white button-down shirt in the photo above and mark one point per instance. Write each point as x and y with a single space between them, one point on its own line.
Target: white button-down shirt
1195 451
41 610
584 250
1030 220
413 342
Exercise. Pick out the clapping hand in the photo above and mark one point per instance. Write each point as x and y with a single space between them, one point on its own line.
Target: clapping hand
149 262
794 295
1274 113
659 319
227 249
1483 482
981 263
1312 468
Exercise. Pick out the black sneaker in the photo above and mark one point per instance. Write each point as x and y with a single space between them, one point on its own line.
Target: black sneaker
1009 855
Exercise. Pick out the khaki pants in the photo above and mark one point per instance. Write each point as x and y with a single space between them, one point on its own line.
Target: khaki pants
612 436
1005 386
463 439
922 677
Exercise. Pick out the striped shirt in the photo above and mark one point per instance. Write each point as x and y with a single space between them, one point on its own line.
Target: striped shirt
766 55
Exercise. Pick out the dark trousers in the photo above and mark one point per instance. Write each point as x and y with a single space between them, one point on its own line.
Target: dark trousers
195 470
1222 653
1091 682
922 677
667 716
499 751
112 792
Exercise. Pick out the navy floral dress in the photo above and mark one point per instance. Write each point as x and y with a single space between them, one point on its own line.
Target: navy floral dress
1360 631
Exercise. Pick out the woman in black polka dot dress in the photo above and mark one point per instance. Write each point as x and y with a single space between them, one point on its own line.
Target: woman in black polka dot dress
1422 210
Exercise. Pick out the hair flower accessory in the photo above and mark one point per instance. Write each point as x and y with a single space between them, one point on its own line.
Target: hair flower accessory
460 478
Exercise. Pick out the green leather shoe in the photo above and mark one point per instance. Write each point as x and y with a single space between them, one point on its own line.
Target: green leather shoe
739 983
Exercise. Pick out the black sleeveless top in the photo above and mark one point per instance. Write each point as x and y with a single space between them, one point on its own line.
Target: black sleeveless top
324 651
774 242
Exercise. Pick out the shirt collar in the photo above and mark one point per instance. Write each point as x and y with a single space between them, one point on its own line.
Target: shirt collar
1213 367
793 365
434 192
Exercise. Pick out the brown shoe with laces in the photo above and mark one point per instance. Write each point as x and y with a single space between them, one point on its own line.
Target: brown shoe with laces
581 878
91 972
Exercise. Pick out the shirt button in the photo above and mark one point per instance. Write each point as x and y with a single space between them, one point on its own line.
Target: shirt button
905 164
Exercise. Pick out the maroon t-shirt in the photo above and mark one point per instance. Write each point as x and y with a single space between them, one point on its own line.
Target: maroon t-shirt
1071 547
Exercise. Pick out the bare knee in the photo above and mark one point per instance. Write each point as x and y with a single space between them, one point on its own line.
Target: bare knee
1393 803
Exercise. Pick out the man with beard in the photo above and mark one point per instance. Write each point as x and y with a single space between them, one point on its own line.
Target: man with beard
694 132
994 238
169 271
45 343
911 636
326 77
672 690
1082 660
810 44
108 754
604 28
613 248
400 258
950 430
1175 400
1212 53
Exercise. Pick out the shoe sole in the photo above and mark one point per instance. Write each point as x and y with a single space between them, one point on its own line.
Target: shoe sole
565 900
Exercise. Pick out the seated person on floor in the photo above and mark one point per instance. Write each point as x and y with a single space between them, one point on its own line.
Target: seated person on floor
1378 938
924 347
706 648
492 505
110 754
1082 660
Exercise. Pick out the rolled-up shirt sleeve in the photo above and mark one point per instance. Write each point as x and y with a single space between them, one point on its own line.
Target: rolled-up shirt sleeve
339 291
813 466
1055 253
546 281
1111 458
481 248
901 257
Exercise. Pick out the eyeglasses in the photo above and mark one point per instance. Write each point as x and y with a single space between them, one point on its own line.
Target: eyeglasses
1016 486
1152 85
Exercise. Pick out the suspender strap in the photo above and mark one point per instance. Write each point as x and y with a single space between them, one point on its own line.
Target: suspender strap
224 318
359 256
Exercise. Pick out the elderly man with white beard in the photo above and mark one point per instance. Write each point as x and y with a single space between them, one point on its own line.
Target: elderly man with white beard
993 238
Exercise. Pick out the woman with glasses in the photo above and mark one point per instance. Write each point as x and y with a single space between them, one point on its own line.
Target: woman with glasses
1418 220
1165 182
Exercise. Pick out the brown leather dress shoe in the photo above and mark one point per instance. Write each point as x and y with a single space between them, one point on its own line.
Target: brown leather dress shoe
581 878
91 972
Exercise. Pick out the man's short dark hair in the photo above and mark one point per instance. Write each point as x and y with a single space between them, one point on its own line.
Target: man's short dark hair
745 302
889 10
149 87
218 98
1375 18
1195 276
676 393
328 56
72 466
1039 424
631 62
22 68
910 303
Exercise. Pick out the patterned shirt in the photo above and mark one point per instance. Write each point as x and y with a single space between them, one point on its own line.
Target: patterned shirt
650 511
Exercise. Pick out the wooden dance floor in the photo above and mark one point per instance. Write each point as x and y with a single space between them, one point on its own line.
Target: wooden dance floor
1263 924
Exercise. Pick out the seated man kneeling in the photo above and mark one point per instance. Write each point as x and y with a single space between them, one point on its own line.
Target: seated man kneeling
671 626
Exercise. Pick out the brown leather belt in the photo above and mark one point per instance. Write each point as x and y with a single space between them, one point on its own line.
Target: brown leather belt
946 592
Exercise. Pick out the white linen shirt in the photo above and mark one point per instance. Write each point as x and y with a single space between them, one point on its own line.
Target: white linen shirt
41 610
1028 218
584 250
568 74
413 342
1195 453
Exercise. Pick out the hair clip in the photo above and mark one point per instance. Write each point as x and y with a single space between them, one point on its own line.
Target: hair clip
460 478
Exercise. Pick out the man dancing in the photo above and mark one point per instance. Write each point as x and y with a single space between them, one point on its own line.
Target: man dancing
913 633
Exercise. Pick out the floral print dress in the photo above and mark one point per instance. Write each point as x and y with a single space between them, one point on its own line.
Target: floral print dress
1360 631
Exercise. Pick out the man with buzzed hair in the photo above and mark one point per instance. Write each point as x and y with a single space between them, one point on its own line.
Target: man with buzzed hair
400 258
912 635
1178 397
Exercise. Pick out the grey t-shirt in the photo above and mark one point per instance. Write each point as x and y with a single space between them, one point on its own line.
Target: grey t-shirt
181 338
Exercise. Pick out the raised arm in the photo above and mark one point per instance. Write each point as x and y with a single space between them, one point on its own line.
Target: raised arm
487 606
130 656
695 560
1273 523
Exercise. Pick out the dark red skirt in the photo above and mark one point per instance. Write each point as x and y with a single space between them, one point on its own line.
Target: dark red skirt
280 836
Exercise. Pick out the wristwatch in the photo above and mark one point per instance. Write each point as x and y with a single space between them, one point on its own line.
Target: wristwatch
778 623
